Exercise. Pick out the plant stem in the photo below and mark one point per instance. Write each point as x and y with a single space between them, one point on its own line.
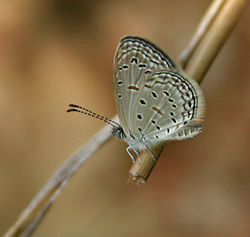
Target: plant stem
210 36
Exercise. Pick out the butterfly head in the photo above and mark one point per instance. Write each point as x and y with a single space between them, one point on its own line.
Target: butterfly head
118 132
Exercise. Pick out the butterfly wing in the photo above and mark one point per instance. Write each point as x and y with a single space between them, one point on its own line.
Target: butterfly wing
135 61
186 133
173 109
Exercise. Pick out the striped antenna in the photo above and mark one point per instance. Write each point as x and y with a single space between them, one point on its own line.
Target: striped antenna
80 109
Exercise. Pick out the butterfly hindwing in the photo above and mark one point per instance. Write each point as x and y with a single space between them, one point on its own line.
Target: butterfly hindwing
172 102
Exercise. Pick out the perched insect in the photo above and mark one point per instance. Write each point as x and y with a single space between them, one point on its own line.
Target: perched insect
156 100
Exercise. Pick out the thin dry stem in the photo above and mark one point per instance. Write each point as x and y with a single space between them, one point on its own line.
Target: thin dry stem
33 213
201 30
198 60
215 38
140 171
36 210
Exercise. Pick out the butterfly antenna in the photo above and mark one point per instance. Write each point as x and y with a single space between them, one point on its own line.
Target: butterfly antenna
80 109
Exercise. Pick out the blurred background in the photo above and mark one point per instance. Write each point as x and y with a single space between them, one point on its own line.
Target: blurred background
57 52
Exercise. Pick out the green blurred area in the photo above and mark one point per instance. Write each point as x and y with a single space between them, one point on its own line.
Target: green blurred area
53 53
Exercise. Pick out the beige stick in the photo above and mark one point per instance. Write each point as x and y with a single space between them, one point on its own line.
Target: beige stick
201 56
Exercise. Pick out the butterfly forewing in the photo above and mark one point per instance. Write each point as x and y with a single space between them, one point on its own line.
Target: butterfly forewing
136 60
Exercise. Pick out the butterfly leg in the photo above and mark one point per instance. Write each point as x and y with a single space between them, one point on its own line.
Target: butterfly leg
151 153
135 151
131 147
127 149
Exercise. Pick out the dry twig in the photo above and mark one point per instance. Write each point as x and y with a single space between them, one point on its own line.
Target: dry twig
218 25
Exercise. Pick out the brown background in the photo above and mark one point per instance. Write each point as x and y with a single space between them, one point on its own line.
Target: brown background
56 52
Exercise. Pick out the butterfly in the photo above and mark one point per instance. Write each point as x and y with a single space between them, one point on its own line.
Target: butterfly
156 100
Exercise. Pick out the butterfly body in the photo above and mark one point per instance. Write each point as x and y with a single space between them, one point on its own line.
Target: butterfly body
138 143
156 101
